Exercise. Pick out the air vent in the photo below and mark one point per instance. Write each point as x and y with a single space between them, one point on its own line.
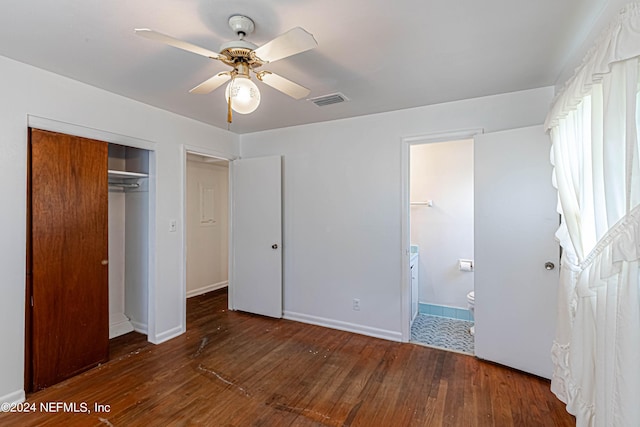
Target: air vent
333 98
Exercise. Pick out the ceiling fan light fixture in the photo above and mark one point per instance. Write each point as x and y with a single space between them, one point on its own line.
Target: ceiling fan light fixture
244 57
244 95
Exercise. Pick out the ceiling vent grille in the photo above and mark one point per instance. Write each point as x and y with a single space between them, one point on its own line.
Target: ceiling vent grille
333 98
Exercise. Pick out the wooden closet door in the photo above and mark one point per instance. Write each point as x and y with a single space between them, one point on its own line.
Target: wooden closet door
69 247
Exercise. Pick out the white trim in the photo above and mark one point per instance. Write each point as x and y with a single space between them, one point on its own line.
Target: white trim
207 152
141 328
120 328
452 135
87 132
167 335
405 241
183 246
17 396
152 254
231 267
119 324
207 288
405 283
343 326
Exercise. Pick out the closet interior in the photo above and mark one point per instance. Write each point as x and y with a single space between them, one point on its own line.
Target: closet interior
128 239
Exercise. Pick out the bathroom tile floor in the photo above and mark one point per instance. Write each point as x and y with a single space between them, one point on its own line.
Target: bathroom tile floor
441 332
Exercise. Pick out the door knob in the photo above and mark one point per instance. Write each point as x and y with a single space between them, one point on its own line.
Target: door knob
274 246
104 262
549 265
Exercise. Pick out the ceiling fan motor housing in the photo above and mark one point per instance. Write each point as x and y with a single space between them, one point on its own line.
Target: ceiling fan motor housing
239 51
241 25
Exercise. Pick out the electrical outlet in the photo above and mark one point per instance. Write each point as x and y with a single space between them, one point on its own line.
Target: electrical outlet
356 304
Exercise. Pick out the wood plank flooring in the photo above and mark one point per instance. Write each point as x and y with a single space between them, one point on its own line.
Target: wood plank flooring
237 369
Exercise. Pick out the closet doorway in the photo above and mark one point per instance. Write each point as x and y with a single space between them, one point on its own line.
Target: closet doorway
83 287
207 223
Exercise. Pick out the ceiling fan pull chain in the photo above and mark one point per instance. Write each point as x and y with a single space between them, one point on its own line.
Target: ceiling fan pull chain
229 114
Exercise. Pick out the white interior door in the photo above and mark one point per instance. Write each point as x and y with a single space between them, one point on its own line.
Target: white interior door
256 264
515 221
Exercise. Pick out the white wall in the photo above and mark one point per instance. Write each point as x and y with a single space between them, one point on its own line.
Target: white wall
116 261
443 172
207 242
30 91
136 276
342 204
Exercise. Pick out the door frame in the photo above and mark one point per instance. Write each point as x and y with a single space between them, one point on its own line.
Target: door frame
206 152
405 240
52 125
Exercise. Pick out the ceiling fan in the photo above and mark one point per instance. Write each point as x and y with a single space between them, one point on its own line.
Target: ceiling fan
242 95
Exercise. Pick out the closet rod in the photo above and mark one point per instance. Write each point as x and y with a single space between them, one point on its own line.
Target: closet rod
123 185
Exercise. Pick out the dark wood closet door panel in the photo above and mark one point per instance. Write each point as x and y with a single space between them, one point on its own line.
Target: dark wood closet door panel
69 207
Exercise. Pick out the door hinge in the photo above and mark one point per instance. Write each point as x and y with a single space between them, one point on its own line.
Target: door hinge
31 300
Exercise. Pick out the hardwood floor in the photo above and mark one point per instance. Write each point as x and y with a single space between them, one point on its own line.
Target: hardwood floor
237 369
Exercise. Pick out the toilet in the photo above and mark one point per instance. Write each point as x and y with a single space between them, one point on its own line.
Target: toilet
471 301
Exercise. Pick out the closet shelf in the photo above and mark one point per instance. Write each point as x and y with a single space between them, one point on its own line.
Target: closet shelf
125 174
126 180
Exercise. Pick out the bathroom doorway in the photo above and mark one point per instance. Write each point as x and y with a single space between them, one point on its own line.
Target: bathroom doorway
206 224
441 230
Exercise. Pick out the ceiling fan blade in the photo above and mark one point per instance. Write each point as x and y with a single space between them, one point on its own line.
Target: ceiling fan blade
211 84
163 38
285 86
294 41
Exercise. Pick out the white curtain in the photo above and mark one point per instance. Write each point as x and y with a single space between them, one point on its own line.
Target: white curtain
594 124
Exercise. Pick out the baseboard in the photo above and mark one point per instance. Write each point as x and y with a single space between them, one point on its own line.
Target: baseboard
208 288
445 311
140 327
119 324
167 335
15 397
344 326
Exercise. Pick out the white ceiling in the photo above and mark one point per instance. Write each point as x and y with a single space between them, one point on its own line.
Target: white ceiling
383 55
